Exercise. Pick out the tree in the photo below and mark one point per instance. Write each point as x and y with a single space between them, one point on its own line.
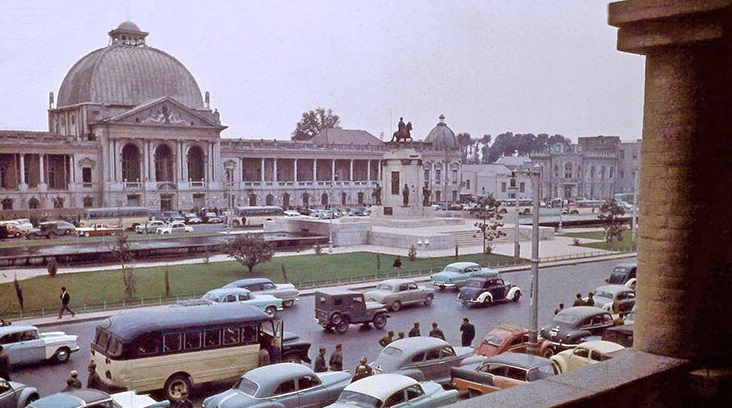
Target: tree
463 141
490 220
313 122
610 213
249 250
121 252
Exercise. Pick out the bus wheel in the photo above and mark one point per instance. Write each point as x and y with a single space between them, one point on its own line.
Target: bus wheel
176 385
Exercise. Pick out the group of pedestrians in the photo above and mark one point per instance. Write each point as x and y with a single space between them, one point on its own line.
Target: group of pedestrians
578 301
335 363
467 331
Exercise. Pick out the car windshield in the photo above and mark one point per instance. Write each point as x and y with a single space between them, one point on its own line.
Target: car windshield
384 286
211 297
474 284
493 340
246 386
358 400
540 373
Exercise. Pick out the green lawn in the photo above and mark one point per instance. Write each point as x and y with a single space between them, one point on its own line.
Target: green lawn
95 289
623 246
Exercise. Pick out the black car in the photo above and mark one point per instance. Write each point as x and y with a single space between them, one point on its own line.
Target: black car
486 290
572 326
623 274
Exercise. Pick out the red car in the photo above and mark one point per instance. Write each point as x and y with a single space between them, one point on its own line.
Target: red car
505 338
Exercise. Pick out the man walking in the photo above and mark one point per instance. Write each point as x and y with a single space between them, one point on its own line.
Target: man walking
336 359
319 365
590 300
384 341
468 332
436 332
578 300
93 381
65 299
415 330
362 370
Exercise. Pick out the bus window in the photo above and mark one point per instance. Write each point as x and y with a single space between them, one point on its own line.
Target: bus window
193 340
171 342
249 335
231 336
148 344
213 338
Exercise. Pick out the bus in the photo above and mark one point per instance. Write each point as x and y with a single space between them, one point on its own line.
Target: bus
174 349
625 200
126 217
250 216
509 206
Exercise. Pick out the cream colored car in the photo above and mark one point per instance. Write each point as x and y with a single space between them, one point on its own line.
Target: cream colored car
589 352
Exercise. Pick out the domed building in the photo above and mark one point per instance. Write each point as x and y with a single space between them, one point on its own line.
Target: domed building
130 128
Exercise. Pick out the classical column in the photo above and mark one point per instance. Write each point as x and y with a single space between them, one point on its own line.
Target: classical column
332 169
368 170
685 238
262 161
274 170
23 181
295 170
315 171
350 170
42 169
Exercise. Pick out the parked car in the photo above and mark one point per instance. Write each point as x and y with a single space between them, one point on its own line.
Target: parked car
572 326
605 296
292 213
16 395
26 345
13 228
284 291
98 230
622 334
423 358
623 274
500 372
394 293
337 308
504 338
192 218
360 211
589 352
284 384
485 291
170 216
89 397
174 227
51 229
268 303
150 227
394 390
456 274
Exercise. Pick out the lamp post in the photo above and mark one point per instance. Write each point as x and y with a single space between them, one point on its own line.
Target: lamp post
533 346
516 245
332 214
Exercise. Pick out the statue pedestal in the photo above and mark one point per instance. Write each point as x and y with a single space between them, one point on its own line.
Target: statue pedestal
382 211
402 178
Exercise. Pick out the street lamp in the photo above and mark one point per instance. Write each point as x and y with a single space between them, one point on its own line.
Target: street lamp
533 346
332 214
516 245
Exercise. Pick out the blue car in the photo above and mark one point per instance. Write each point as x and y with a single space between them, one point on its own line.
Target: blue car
454 275
97 399
284 384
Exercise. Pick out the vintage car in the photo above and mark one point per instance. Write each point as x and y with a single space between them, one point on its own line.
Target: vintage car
484 291
500 372
212 218
589 352
394 293
284 291
25 345
623 274
284 384
51 229
572 326
14 230
268 303
504 338
16 395
91 398
423 358
149 227
337 308
174 227
605 296
98 230
455 274
394 390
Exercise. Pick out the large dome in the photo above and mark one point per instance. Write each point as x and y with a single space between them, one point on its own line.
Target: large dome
129 73
442 136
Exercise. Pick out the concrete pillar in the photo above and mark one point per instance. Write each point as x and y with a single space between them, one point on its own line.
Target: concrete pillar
295 171
274 170
368 170
262 170
42 169
23 181
685 233
332 169
315 171
350 170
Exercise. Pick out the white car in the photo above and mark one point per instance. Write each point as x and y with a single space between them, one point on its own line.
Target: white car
388 390
394 293
589 352
174 228
26 345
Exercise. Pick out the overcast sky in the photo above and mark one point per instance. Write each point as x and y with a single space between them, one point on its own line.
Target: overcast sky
490 66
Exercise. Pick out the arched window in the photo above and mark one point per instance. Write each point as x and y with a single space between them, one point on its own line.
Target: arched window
592 172
286 200
324 199
8 204
252 199
612 172
306 199
88 202
568 171
34 204
163 163
58 202
359 198
196 164
269 200
130 163
556 171
602 173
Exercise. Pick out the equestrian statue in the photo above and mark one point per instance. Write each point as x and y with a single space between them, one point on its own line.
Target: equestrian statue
403 132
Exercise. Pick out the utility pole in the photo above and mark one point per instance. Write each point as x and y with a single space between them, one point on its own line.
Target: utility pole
533 346
516 245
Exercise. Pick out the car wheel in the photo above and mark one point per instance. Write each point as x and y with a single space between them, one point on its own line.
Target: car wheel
271 311
516 296
336 318
113 233
31 236
486 301
342 326
176 386
549 352
288 303
379 321
440 288
86 234
428 300
51 235
62 355
396 306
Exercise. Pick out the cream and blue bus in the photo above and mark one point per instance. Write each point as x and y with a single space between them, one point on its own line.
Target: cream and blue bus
126 217
174 349
255 215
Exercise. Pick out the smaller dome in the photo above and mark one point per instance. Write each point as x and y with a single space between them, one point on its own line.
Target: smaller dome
442 136
128 26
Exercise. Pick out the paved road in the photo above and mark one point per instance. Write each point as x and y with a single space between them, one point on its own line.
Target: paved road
557 284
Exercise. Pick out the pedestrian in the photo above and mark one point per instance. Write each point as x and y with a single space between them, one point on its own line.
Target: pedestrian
397 262
436 332
93 381
336 359
620 320
590 301
384 341
362 370
65 299
72 383
559 309
468 332
275 356
415 330
263 355
319 365
4 365
183 402
578 300
400 335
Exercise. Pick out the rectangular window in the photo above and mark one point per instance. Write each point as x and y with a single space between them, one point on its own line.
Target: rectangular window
503 187
438 175
86 177
193 340
231 336
426 175
395 183
212 338
454 177
467 184
522 187
622 154
171 342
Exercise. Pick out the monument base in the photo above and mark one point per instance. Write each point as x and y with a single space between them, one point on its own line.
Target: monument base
382 211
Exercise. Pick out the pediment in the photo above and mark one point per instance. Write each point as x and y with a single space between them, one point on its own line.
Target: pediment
164 112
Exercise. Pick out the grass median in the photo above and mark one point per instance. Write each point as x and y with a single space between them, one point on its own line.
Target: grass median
105 288
621 246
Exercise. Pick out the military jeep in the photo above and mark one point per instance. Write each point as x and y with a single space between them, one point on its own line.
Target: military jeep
338 308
